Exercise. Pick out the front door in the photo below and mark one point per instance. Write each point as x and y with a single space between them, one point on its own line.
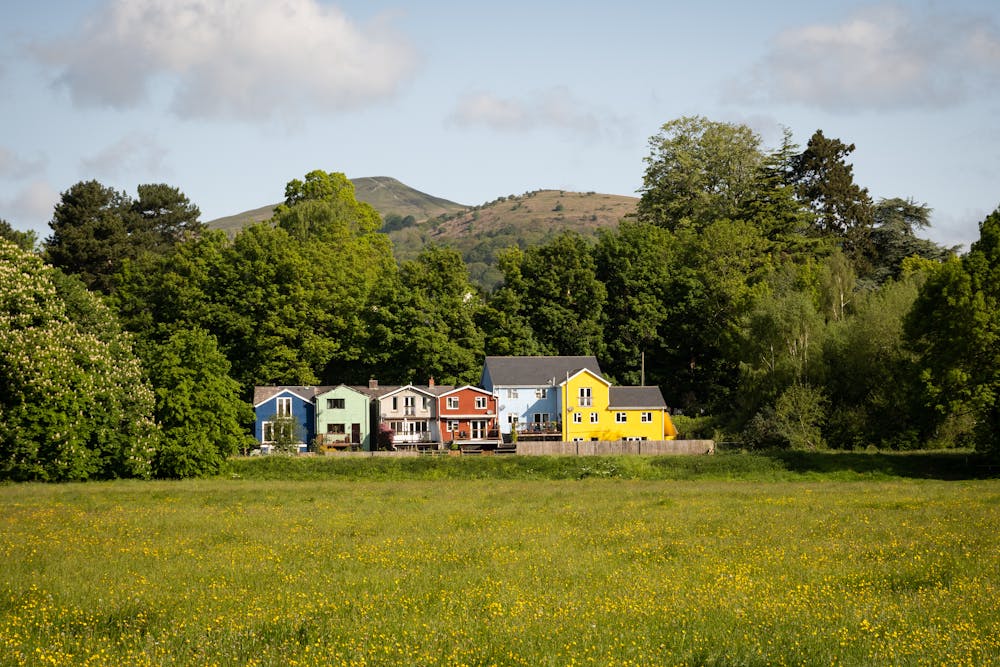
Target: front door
356 434
478 429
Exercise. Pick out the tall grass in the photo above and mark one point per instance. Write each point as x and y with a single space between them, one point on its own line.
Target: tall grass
508 572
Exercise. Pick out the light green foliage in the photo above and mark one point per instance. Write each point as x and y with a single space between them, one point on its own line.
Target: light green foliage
75 403
700 171
198 406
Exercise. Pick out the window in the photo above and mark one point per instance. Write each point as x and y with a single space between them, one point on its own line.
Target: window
621 417
480 402
586 399
395 403
577 439
512 419
646 418
284 407
594 418
512 393
635 439
453 402
408 403
542 392
577 418
541 417
336 428
334 404
270 431
452 426
267 432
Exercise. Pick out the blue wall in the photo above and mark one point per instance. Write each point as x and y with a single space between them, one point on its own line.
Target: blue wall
302 410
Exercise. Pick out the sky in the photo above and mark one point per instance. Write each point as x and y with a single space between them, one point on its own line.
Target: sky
228 100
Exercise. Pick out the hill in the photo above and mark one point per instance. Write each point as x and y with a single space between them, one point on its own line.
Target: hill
415 219
522 220
387 195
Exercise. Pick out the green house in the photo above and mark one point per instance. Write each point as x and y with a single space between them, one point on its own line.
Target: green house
343 418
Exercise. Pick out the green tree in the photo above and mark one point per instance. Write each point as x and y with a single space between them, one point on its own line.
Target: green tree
635 262
75 403
163 216
25 240
431 321
90 234
955 328
699 171
894 237
560 296
198 405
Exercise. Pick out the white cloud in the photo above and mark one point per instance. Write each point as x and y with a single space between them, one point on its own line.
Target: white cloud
551 108
246 59
16 167
130 154
882 57
31 207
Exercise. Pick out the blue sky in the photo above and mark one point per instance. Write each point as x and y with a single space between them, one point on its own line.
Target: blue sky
228 100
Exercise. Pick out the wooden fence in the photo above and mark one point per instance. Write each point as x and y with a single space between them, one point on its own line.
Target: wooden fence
614 447
589 448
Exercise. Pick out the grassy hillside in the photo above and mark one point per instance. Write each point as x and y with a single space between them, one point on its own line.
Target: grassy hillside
478 232
523 220
386 194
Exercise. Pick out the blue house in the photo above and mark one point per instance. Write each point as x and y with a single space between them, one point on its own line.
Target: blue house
527 390
272 404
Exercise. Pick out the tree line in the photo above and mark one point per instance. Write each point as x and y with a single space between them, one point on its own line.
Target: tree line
772 300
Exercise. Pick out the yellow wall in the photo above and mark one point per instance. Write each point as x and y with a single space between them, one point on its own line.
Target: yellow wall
606 428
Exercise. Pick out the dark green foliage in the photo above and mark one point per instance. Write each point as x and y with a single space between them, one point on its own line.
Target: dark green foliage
955 328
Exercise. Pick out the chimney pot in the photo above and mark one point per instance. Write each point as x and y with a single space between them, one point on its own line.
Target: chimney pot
430 382
372 383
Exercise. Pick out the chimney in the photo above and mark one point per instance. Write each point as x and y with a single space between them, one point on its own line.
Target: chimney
372 383
430 382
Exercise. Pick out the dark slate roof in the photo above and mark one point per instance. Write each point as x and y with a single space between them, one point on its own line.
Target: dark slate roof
636 397
536 371
261 394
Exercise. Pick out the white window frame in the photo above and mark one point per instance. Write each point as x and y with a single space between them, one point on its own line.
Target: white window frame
621 417
647 417
577 418
594 418
283 406
267 429
451 426
542 392
480 402
452 403
512 393
586 397
513 420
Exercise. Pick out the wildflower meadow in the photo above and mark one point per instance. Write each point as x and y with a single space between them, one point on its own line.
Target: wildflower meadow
501 572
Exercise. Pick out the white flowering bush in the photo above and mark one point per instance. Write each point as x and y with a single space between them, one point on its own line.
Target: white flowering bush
74 403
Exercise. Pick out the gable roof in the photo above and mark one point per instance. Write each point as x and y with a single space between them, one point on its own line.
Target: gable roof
432 392
586 371
469 387
536 371
264 394
636 397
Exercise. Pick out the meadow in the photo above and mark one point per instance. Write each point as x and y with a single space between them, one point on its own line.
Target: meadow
509 562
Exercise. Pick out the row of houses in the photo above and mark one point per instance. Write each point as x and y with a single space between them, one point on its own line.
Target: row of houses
562 398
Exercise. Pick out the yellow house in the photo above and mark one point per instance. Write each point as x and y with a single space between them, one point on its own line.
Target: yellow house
592 409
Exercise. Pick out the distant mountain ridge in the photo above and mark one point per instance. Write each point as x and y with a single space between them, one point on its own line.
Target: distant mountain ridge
385 194
477 232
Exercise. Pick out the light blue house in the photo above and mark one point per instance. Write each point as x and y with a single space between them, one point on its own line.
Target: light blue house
343 417
271 404
527 390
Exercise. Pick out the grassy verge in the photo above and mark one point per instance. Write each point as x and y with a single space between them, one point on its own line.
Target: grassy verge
508 572
766 466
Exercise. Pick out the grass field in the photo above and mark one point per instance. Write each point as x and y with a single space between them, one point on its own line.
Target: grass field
774 565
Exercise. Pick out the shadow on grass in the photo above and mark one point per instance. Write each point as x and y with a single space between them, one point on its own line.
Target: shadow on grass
916 465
